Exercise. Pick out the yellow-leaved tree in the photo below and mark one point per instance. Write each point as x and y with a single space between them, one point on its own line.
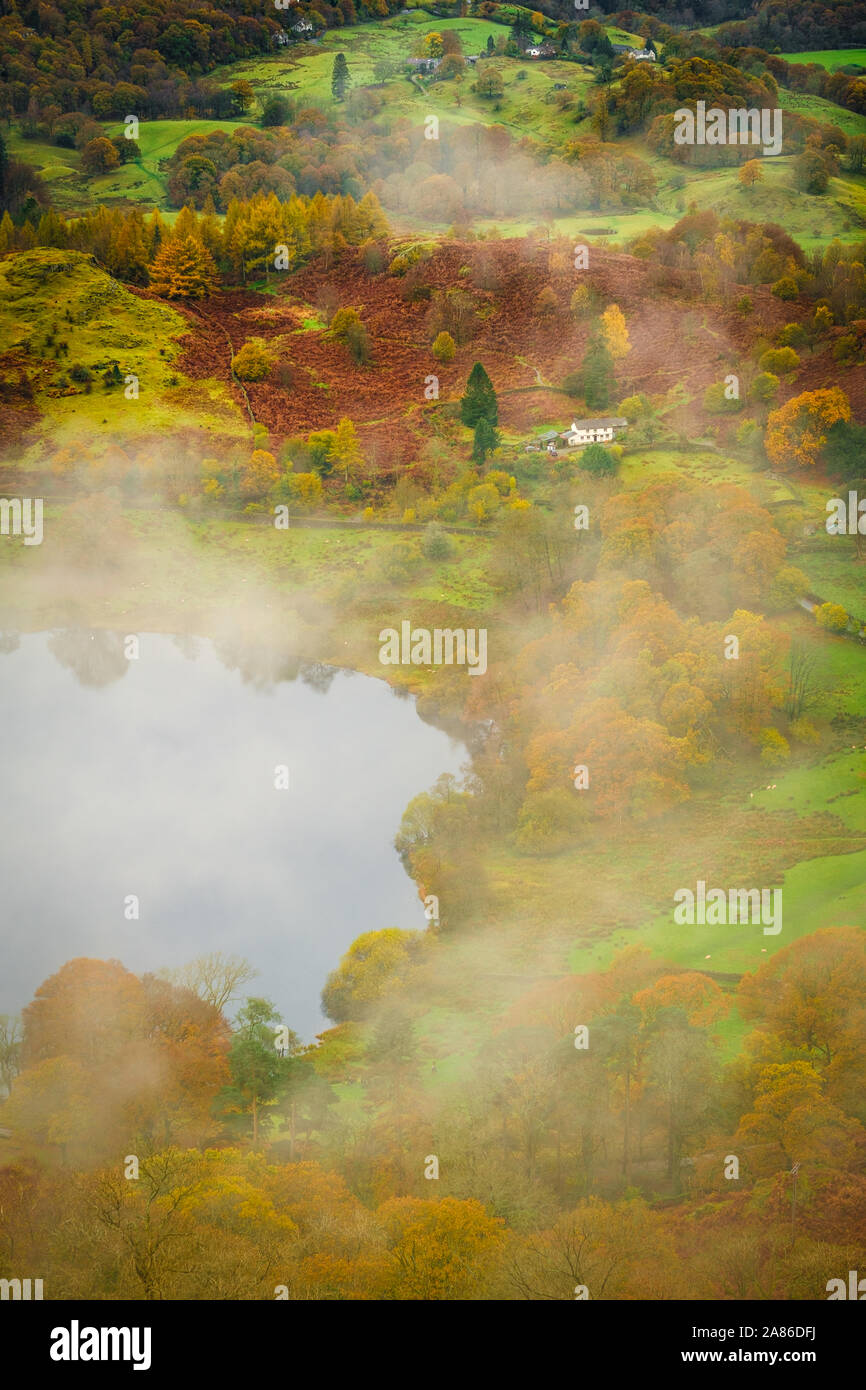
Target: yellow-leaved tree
184 269
260 474
614 332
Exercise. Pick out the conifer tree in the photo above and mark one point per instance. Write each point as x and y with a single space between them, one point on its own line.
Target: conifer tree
4 172
184 269
479 399
7 234
340 77
597 373
485 440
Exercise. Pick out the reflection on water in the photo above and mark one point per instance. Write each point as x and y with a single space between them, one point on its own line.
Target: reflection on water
155 777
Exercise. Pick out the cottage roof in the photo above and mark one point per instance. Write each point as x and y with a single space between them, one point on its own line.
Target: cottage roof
601 422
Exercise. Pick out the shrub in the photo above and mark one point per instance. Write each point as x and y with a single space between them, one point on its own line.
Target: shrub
832 617
789 584
779 361
775 748
764 387
846 348
259 475
804 731
253 362
306 488
786 288
582 302
374 256
596 459
634 407
549 821
717 402
444 347
400 560
435 543
792 335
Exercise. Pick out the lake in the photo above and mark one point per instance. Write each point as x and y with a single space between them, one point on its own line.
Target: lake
156 777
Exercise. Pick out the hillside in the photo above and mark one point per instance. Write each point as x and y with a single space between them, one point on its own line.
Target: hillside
63 318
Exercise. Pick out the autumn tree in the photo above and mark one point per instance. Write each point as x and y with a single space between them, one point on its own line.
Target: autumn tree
797 431
99 156
184 270
442 1249
347 327
614 1251
345 448
793 1121
259 474
489 83
108 1055
615 333
810 995
750 173
243 96
832 617
373 964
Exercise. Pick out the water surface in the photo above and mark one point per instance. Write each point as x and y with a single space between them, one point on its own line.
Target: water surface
155 777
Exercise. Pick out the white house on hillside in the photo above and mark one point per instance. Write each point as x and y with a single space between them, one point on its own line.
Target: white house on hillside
583 432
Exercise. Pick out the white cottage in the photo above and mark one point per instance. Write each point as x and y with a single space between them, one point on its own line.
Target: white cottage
601 431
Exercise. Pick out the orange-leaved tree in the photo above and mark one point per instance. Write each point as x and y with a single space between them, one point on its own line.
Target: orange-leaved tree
797 431
184 269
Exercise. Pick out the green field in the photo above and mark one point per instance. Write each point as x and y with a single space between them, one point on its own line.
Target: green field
812 221
141 181
525 108
830 58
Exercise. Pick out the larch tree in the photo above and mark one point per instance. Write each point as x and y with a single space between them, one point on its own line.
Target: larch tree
615 332
184 270
345 450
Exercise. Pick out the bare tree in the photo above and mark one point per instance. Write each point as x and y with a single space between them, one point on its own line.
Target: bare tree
802 687
216 978
10 1050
